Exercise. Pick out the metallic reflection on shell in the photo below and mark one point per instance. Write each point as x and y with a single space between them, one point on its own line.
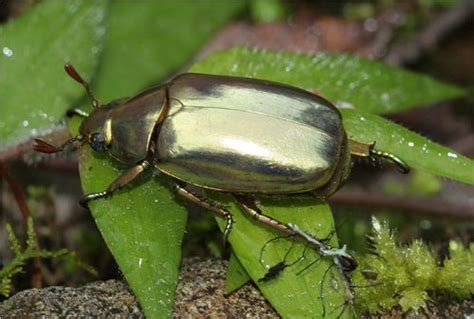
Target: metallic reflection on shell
248 136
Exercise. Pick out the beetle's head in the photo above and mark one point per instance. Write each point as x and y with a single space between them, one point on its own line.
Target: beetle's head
123 128
95 129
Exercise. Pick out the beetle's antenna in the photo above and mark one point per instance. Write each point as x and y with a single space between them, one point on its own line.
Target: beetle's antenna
71 71
44 147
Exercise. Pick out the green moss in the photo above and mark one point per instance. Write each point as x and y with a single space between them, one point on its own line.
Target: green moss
406 276
21 256
456 278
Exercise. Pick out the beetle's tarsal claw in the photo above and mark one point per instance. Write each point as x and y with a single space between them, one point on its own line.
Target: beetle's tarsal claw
402 166
84 202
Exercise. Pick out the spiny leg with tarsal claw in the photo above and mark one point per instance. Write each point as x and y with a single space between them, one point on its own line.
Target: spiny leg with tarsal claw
342 261
117 184
276 269
250 207
368 150
208 204
138 169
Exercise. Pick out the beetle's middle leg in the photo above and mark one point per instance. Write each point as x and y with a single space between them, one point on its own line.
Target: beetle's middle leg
344 259
117 184
250 207
208 204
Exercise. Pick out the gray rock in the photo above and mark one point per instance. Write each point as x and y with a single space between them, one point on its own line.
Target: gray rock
99 299
200 294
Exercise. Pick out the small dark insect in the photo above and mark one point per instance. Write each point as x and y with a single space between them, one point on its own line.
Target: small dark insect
274 271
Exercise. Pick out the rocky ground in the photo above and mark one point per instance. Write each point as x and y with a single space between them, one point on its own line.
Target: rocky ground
200 294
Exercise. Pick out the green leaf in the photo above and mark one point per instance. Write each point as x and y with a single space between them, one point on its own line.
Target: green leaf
236 275
292 294
143 226
34 92
416 150
346 80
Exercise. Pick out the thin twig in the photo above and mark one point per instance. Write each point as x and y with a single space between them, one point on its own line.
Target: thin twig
61 164
17 193
418 206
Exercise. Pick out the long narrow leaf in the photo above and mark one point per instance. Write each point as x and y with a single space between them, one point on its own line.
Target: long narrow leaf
346 80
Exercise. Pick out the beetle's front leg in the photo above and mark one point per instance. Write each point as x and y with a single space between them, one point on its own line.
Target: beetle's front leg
77 112
117 184
209 205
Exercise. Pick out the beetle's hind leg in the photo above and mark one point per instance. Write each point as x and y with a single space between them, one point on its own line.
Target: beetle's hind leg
208 204
367 150
117 184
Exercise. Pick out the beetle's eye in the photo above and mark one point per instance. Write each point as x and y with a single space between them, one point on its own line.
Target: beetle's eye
98 143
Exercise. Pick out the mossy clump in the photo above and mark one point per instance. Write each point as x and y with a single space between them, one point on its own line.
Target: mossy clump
396 275
21 256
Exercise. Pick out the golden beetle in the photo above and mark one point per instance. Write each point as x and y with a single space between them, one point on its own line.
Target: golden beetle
228 134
